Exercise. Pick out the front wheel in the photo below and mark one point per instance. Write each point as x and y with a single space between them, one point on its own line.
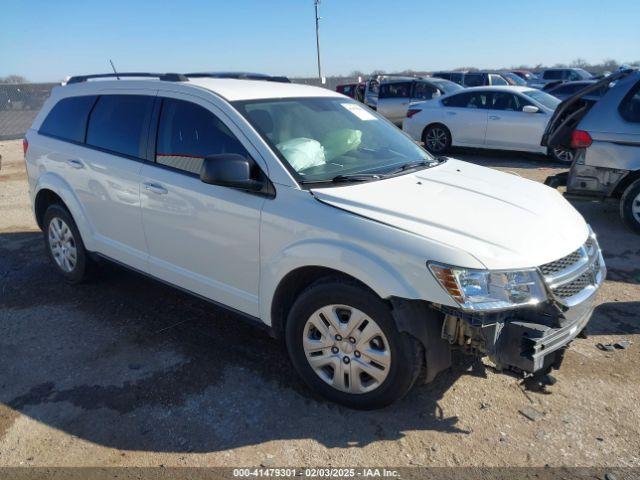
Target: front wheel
630 206
437 139
344 344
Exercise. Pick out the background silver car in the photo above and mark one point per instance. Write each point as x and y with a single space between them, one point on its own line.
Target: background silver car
606 134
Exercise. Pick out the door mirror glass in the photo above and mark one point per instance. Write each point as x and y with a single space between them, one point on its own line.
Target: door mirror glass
530 109
230 170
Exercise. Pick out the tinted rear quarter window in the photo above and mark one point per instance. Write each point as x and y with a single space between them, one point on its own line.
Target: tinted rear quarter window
552 75
67 120
119 124
630 105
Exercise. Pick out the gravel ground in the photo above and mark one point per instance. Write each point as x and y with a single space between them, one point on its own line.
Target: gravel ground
125 371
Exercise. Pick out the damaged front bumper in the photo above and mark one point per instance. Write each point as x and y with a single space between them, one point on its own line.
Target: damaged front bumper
533 339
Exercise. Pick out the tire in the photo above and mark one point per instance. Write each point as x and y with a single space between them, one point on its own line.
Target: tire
562 155
630 206
64 245
393 358
437 139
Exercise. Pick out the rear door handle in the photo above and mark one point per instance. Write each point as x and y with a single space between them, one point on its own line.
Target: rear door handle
494 117
72 162
451 113
155 188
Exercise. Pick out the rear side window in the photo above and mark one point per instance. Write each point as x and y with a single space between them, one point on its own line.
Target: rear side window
424 91
188 133
120 123
67 120
395 90
630 105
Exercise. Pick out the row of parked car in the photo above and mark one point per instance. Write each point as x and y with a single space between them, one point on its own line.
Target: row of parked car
592 124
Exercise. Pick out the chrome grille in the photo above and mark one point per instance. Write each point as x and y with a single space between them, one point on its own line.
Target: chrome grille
559 265
575 277
574 287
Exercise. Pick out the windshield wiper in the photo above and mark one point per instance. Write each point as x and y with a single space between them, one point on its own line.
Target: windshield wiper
412 165
356 177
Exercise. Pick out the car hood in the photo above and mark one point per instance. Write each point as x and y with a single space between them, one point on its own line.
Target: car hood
503 220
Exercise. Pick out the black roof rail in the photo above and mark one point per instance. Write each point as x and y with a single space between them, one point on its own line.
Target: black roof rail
240 76
167 77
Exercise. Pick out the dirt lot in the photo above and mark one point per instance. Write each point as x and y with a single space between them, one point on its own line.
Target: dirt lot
126 371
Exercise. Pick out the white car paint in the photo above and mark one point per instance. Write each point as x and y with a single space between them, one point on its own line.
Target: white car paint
235 248
484 128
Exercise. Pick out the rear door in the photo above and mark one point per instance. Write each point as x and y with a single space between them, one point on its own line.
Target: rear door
465 114
508 127
101 159
393 100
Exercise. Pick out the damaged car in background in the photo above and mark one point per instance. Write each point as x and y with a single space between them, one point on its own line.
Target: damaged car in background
605 133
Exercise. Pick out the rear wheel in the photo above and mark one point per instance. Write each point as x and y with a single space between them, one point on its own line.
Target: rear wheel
437 139
343 342
562 155
630 206
64 245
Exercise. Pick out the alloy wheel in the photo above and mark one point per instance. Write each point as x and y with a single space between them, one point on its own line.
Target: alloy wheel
62 244
436 140
347 349
635 208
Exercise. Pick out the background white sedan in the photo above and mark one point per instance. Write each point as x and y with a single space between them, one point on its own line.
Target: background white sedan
501 117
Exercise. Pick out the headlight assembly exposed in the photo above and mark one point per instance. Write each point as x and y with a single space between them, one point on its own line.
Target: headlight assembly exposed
487 290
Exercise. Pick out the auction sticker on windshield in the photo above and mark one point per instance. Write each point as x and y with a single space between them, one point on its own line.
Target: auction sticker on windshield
358 111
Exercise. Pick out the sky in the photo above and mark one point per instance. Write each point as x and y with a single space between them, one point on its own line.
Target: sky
49 40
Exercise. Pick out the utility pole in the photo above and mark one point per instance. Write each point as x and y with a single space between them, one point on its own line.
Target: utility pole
316 3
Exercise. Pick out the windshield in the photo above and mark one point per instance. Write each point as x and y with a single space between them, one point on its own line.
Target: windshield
447 86
515 79
544 98
322 138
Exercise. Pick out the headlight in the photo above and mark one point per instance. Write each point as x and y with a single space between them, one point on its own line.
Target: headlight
483 290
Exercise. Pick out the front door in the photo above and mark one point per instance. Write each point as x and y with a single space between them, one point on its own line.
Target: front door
508 127
201 237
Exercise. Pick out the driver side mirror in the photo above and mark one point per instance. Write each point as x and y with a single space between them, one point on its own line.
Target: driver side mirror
231 170
530 109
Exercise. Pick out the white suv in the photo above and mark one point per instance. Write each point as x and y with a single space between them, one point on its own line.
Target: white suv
307 212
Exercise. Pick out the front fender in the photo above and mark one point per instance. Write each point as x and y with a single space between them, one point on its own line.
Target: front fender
59 186
372 270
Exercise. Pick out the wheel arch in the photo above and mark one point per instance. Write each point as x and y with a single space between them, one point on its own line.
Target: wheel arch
625 183
433 124
51 188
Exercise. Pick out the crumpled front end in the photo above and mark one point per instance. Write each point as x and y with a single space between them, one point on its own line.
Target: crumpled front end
533 339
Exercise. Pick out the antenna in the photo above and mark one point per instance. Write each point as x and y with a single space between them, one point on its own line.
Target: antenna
114 69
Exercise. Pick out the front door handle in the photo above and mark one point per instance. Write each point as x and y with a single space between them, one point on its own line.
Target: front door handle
494 117
155 188
451 113
73 163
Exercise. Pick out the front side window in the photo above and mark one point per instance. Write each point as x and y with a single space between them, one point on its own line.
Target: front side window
119 124
468 100
188 133
630 105
507 101
395 90
320 139
67 120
